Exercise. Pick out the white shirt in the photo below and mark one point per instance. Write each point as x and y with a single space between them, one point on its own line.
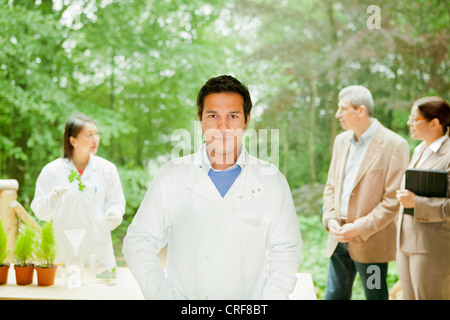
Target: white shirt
245 245
355 156
422 148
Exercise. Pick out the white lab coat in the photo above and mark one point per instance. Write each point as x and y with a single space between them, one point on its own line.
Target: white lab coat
243 246
85 209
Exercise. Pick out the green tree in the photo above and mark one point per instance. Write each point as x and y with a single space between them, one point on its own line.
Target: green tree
32 102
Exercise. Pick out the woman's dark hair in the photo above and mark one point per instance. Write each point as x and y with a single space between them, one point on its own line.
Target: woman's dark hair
224 84
435 107
73 127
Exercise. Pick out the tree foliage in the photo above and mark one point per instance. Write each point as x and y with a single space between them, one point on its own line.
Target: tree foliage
321 47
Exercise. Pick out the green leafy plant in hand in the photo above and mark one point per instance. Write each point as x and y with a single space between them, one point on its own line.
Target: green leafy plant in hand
46 251
3 244
76 176
24 246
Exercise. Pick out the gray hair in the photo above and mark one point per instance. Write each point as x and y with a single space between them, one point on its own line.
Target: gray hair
357 96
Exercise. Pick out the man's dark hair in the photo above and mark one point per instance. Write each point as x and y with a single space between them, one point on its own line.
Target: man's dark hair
224 84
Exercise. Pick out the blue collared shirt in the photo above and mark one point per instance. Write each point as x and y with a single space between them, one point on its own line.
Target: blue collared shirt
223 179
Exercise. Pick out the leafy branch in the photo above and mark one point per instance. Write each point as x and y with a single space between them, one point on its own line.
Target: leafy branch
76 176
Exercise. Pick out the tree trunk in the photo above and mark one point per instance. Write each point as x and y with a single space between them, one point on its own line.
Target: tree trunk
312 121
334 40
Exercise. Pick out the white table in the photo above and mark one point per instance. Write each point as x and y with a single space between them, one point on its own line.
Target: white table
123 287
304 288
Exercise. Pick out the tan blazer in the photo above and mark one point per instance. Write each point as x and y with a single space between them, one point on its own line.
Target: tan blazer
373 205
429 229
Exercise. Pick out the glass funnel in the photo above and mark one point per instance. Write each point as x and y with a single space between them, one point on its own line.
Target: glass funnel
74 258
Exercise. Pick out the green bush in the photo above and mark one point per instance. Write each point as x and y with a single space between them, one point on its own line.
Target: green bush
314 260
3 244
46 251
24 246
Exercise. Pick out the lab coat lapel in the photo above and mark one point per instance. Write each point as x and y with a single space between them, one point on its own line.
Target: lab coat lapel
245 188
90 168
68 165
203 186
246 180
200 183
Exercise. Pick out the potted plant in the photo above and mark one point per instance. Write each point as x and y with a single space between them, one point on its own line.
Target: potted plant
4 267
45 254
23 254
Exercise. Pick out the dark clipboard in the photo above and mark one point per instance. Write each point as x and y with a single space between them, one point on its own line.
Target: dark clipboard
426 183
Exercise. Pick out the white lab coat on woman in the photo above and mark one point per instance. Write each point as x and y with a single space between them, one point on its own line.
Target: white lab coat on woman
98 208
243 246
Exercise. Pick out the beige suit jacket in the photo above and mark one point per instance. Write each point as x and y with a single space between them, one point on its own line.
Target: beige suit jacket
373 205
429 229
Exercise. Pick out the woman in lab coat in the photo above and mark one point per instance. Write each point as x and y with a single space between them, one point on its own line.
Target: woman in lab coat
81 191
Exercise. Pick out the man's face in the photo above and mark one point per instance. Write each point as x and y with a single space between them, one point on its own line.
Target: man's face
223 124
347 114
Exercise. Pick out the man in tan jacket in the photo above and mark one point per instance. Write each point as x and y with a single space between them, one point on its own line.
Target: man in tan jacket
360 203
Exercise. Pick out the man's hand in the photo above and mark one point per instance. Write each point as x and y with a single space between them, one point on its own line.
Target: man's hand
333 225
343 233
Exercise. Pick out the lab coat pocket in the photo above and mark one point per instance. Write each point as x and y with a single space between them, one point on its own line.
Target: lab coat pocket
252 218
251 233
252 225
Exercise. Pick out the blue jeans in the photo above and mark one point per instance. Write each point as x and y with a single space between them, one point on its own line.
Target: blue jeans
342 272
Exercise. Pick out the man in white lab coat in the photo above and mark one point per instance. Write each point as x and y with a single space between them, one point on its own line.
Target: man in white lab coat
228 218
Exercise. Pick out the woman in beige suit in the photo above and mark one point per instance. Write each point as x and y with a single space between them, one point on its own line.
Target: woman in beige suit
423 239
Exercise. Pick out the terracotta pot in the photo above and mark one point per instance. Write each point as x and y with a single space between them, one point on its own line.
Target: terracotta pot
4 273
46 276
24 275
